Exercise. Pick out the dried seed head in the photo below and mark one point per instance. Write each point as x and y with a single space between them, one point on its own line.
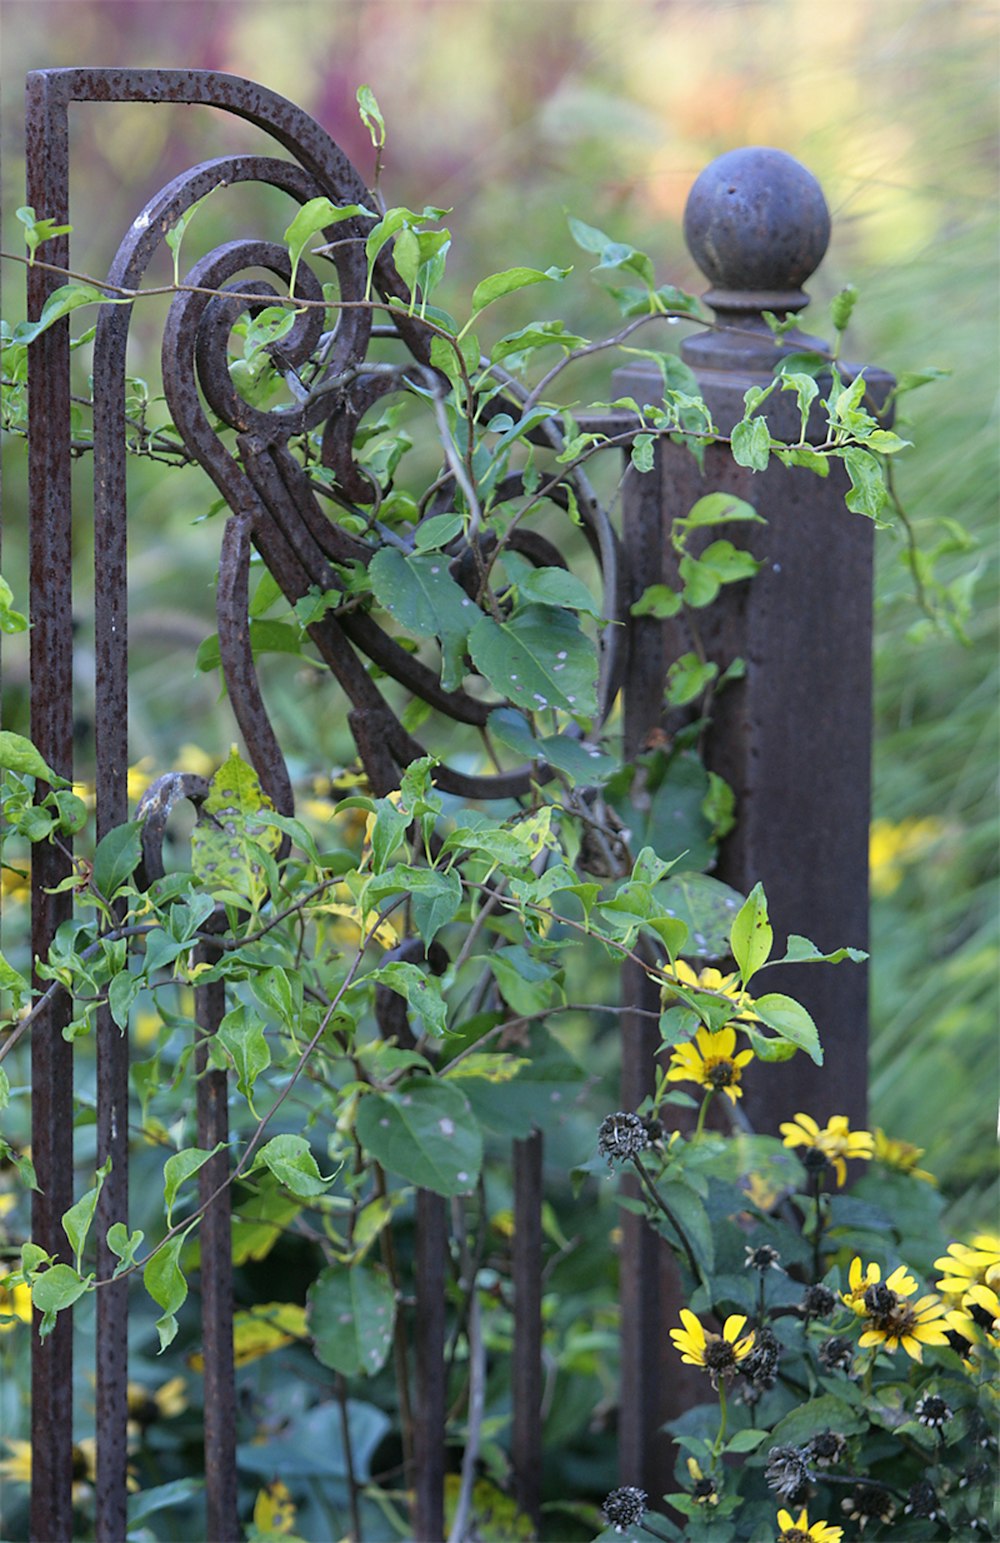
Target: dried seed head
625 1507
621 1136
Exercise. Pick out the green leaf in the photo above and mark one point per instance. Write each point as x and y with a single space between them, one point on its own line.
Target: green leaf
226 855
11 979
554 586
537 334
281 993
69 297
52 1291
117 857
687 678
18 754
823 1413
76 1221
164 1280
801 951
241 1033
291 1161
842 305
351 1314
433 534
752 935
370 114
510 280
581 762
790 1019
868 492
181 1167
4 1089
750 443
420 593
10 620
659 601
122 992
694 1223
421 991
537 659
642 454
266 637
313 217
124 1244
424 1132
746 1440
527 984
719 509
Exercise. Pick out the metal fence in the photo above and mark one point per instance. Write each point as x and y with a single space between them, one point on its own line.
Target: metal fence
792 738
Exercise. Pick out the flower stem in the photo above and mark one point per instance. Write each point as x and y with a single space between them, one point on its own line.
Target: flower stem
817 1240
723 1412
701 1115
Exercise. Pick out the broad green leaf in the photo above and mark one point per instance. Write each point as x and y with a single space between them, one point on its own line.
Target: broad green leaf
750 443
433 534
527 984
421 991
691 1224
424 1132
4 1089
701 585
538 659
719 509
18 754
69 297
642 453
164 1280
10 620
511 279
706 906
534 336
435 896
819 1414
868 492
124 1244
659 601
122 992
420 593
181 1167
266 637
790 1019
280 992
687 678
546 1085
842 306
581 762
52 1291
351 1314
76 1221
117 857
261 1222
313 217
752 935
554 586
241 1033
11 979
291 1161
226 853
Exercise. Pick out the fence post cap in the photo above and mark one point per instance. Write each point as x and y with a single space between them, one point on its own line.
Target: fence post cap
757 225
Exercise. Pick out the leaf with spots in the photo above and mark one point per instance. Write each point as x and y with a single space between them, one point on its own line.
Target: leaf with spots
228 847
421 991
351 1315
425 1133
424 598
706 906
538 659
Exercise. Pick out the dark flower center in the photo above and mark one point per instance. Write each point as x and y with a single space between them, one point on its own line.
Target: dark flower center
719 1353
813 1160
880 1304
704 1491
723 1074
933 1410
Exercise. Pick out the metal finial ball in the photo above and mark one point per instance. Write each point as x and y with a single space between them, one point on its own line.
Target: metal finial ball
756 220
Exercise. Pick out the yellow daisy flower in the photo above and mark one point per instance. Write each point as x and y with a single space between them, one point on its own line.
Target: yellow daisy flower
719 1354
890 1320
17 1467
710 1060
861 1277
901 1155
703 1491
835 1141
970 1264
709 980
802 1532
978 1317
145 1407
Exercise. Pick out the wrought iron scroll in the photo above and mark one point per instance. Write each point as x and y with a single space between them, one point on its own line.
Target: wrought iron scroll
275 509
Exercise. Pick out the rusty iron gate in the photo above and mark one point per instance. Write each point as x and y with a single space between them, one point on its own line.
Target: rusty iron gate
793 739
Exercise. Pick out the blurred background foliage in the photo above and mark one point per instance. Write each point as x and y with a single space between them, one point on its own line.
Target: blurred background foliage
514 114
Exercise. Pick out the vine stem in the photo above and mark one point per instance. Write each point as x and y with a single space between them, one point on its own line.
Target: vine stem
661 1205
723 1417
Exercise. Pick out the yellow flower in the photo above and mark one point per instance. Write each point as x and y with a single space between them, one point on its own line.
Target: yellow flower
15 884
17 1467
274 1510
719 1354
15 1303
860 1277
889 1319
139 777
836 1141
191 758
709 980
901 1155
894 845
703 1490
145 1407
978 1317
970 1264
801 1532
710 1061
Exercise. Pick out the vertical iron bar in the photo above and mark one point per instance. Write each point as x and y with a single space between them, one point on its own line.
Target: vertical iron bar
111 744
527 1373
429 1432
52 731
216 1273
